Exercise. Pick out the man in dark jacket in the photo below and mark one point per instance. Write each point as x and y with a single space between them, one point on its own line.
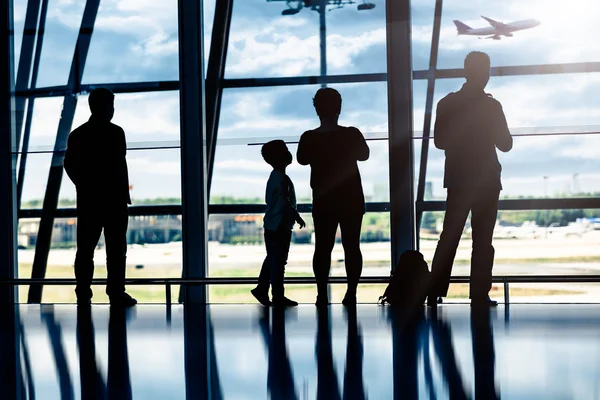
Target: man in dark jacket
95 162
469 126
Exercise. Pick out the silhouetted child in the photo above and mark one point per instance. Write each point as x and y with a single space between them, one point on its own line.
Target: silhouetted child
279 220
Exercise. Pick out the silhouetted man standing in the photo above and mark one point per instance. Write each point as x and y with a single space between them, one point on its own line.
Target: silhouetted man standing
332 151
469 126
95 162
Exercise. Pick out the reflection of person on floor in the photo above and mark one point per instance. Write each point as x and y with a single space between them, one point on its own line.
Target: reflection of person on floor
353 376
407 331
280 217
332 151
280 379
118 381
469 126
327 383
442 342
483 355
95 162
92 384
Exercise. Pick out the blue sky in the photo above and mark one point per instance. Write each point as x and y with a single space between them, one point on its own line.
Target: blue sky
136 40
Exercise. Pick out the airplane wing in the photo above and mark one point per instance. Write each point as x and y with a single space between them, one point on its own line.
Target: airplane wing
495 24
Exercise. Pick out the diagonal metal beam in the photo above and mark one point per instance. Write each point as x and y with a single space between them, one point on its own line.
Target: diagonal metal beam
29 117
435 41
24 70
215 73
42 248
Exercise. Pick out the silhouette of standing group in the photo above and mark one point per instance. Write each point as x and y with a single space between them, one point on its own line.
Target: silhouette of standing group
469 127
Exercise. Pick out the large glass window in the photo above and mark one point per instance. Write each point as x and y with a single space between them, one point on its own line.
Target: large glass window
148 42
147 50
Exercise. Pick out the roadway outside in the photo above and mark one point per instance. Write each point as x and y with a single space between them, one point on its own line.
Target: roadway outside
556 254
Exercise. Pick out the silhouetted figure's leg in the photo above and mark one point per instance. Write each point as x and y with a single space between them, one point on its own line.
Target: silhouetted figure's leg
350 229
325 230
353 376
483 221
327 384
89 228
92 384
457 210
119 382
442 341
115 234
483 354
281 250
264 278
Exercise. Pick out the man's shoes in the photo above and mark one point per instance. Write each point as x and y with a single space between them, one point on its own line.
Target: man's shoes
284 302
349 300
262 297
122 300
483 302
322 302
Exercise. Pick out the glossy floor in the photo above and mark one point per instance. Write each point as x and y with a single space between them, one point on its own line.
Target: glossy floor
239 352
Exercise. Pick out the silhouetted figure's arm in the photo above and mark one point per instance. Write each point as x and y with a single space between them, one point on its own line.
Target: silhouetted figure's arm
72 162
123 150
441 128
303 155
499 128
361 148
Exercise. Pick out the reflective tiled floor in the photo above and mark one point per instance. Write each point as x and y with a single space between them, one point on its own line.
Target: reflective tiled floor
239 352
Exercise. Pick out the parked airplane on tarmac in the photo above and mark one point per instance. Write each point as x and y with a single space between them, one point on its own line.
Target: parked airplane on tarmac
497 29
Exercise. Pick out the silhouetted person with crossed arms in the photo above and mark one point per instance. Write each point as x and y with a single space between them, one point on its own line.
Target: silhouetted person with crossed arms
332 151
469 126
95 162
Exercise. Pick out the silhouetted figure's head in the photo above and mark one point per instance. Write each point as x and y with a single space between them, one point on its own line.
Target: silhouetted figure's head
477 69
276 154
102 103
328 103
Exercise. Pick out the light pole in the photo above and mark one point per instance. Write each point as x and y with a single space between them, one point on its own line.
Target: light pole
321 7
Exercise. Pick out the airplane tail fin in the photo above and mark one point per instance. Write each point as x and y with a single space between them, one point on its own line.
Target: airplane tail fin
461 27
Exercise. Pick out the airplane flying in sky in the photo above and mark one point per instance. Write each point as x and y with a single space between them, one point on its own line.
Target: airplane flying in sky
497 29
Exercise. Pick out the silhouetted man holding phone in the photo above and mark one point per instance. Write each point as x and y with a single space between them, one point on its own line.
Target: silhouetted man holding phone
95 162
469 126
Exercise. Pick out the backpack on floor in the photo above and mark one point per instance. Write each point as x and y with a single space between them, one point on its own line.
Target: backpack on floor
409 282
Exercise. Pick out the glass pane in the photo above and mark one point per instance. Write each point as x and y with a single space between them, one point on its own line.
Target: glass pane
36 180
148 119
265 43
154 178
148 42
255 116
208 14
44 124
154 251
422 28
19 10
236 249
536 242
62 27
356 39
571 43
